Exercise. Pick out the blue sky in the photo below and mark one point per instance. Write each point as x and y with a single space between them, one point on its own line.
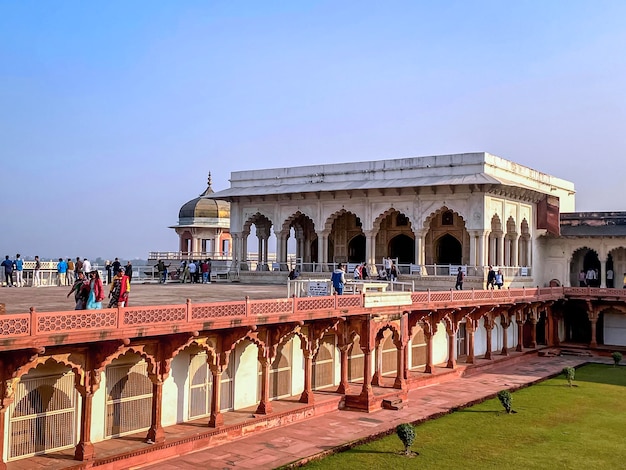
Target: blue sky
113 113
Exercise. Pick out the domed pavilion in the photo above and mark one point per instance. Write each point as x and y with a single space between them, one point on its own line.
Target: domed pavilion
204 227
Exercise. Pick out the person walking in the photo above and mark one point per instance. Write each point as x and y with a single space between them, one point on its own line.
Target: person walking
499 279
19 271
491 278
36 273
119 290
338 279
96 291
8 271
81 291
460 277
582 279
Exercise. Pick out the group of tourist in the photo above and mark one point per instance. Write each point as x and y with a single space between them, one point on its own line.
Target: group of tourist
115 267
89 290
494 278
195 271
10 266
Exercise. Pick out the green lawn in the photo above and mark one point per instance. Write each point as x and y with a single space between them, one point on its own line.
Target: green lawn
555 427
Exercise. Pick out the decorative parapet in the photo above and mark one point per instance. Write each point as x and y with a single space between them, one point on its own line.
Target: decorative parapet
18 331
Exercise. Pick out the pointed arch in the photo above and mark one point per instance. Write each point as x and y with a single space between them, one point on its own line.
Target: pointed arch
344 242
446 241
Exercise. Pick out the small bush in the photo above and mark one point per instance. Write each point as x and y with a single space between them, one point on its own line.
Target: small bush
406 433
506 399
569 373
617 357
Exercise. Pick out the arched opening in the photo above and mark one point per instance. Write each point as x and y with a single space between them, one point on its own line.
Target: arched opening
447 240
346 241
449 250
585 268
356 249
323 375
255 253
394 237
298 237
402 247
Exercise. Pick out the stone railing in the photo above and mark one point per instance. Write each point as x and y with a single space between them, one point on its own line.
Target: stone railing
71 327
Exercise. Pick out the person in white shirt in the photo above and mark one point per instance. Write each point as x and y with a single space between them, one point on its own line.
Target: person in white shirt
86 266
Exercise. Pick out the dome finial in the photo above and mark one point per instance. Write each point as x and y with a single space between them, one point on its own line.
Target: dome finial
208 189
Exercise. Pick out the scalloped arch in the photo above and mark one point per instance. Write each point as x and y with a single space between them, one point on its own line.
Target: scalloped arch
387 213
328 225
43 361
130 350
255 219
429 219
295 216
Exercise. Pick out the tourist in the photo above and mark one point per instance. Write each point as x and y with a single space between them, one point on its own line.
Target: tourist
8 271
79 267
294 274
609 278
19 271
591 277
128 270
108 268
393 272
71 276
86 265
96 291
365 273
499 279
61 272
36 271
491 278
582 278
382 274
119 290
192 271
185 270
460 277
204 268
116 266
357 272
81 291
209 265
338 279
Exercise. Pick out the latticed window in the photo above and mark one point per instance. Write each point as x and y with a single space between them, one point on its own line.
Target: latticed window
129 399
280 373
418 350
43 415
389 354
201 386
355 361
324 363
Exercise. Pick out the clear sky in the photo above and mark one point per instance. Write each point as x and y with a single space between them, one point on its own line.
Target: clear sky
112 113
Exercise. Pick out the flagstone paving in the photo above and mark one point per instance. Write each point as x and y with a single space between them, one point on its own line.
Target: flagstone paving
306 439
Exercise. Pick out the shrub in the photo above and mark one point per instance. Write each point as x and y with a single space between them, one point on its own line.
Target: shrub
617 357
406 433
506 399
569 373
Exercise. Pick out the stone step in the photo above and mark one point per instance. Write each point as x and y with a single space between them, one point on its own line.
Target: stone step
393 404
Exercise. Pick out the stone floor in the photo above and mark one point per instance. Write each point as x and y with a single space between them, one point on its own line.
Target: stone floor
51 299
